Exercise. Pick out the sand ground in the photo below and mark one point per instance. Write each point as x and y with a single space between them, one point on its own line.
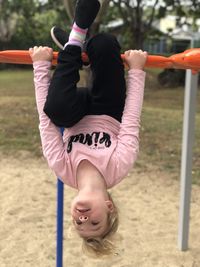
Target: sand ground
148 202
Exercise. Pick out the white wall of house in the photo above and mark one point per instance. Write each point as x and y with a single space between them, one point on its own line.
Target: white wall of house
169 22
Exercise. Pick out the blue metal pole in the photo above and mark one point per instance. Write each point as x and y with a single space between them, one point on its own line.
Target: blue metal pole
60 207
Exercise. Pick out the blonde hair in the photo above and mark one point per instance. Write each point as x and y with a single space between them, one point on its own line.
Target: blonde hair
103 245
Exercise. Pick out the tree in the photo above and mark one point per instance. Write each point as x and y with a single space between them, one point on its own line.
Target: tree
139 15
34 19
12 13
8 20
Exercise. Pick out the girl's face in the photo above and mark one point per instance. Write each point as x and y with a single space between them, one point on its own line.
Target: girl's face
90 215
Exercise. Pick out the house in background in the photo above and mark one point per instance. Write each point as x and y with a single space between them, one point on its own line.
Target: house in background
174 39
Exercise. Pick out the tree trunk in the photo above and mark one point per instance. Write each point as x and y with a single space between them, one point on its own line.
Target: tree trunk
138 38
70 7
8 27
96 25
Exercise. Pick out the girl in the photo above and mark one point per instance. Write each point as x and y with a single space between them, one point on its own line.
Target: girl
101 137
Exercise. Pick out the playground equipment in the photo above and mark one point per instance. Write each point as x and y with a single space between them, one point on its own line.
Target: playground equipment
190 60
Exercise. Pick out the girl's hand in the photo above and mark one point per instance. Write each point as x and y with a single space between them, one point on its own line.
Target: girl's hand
43 53
135 59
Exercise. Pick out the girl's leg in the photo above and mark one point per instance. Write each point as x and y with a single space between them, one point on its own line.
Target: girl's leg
66 104
109 87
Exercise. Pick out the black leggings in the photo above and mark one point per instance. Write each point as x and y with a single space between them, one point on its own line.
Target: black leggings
66 104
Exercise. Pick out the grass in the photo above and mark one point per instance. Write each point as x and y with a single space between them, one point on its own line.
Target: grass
161 127
18 115
161 131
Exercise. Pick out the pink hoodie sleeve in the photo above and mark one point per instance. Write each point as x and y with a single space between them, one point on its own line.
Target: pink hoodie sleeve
51 138
128 138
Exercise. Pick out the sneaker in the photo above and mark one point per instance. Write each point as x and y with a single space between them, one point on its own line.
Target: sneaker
86 12
59 36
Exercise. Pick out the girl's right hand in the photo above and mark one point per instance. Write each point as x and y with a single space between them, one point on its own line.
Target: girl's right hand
42 53
135 59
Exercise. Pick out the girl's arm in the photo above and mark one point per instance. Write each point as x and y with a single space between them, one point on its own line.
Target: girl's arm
128 138
51 138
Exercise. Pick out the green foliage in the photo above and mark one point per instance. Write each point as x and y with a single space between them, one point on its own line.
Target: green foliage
180 11
161 12
21 7
169 2
111 14
34 18
34 21
139 16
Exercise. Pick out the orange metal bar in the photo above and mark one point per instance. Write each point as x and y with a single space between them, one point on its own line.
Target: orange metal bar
189 59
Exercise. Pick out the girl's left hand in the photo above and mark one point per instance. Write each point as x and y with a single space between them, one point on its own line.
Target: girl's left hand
43 53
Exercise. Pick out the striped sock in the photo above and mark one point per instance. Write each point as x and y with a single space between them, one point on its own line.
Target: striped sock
77 36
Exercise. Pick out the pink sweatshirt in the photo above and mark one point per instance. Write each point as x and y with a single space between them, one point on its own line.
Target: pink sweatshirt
112 147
